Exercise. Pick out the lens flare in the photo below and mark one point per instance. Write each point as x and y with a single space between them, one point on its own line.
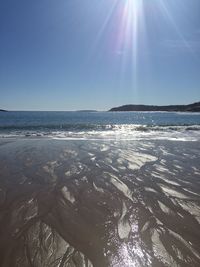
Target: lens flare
125 38
128 37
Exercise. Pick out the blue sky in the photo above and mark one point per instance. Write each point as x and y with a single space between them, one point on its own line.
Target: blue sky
96 54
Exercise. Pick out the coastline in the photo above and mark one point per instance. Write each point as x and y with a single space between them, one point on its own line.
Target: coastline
194 107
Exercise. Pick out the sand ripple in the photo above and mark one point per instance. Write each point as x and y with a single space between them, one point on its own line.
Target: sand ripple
99 203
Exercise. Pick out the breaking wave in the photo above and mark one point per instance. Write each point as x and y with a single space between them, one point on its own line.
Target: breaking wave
109 131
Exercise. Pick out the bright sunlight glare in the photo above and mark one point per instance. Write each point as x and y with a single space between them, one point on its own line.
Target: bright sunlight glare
131 21
128 37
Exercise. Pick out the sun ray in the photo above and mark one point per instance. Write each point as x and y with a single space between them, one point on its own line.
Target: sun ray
123 37
171 20
129 38
102 30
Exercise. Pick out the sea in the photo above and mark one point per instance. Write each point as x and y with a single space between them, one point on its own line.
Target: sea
99 189
101 125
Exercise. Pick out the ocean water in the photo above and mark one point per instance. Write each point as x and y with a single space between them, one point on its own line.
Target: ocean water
101 125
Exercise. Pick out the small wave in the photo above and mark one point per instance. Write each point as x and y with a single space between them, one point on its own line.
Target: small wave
107 132
99 127
47 127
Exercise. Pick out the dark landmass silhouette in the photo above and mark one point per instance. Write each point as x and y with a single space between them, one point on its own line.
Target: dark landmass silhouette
3 110
195 107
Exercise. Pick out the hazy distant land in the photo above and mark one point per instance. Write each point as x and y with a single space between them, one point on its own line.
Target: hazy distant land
195 107
86 110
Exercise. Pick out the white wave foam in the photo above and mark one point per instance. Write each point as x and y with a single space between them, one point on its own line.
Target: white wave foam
116 132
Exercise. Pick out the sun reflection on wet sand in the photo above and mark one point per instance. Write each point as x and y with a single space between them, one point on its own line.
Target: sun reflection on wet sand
74 203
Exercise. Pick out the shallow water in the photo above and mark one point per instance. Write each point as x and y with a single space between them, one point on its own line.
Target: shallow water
101 125
99 203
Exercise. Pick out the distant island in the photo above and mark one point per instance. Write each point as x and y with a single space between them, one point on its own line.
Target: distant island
3 110
86 110
195 107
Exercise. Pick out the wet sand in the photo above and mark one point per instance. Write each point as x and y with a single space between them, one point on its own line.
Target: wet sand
99 203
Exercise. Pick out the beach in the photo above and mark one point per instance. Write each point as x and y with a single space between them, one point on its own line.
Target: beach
99 202
100 133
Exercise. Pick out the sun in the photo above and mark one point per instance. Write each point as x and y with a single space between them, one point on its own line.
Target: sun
133 6
125 34
130 24
132 18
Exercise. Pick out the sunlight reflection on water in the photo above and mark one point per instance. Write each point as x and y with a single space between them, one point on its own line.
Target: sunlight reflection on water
131 255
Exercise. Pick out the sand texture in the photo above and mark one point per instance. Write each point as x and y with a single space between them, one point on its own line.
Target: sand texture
99 203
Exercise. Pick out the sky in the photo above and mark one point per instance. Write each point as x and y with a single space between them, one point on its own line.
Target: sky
98 54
